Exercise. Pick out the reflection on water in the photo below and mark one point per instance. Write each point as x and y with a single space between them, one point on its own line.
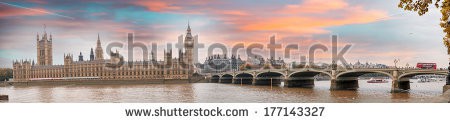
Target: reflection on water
218 93
344 96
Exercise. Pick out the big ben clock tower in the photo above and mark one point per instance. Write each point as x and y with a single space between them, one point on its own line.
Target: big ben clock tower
189 46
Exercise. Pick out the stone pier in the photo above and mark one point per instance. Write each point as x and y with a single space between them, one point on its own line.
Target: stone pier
243 81
446 87
400 86
4 97
304 83
344 84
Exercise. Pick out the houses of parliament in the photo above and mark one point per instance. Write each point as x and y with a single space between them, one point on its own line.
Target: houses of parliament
96 67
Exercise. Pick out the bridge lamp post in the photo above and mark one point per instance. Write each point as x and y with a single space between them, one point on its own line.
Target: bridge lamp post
288 66
395 62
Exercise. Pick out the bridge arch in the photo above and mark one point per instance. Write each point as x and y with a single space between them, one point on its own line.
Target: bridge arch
357 73
226 78
309 73
303 78
243 78
407 76
215 78
264 72
403 82
269 78
349 80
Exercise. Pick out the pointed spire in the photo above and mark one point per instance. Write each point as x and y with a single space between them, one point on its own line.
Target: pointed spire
99 49
98 40
80 57
92 56
189 28
44 36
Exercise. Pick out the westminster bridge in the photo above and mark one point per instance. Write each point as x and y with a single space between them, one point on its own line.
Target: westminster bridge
341 79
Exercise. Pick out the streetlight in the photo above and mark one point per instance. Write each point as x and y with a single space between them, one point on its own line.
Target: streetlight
395 62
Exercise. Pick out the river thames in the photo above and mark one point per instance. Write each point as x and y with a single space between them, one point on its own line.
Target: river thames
218 93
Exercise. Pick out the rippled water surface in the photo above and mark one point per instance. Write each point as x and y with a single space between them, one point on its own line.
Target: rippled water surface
218 93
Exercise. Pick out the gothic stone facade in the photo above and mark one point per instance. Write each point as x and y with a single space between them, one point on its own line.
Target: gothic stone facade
97 68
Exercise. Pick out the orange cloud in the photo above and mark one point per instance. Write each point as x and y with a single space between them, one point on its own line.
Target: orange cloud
157 5
308 17
314 24
315 6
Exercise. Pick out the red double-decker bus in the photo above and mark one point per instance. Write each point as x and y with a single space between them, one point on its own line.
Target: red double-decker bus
426 65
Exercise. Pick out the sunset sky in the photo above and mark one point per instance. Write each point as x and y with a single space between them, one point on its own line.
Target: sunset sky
377 29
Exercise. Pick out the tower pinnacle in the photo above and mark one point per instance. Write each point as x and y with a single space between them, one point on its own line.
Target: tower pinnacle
80 57
98 49
91 56
189 28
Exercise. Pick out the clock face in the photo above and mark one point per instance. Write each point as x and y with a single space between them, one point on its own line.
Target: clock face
189 43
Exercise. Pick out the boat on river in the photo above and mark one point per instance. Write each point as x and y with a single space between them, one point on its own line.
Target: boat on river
377 80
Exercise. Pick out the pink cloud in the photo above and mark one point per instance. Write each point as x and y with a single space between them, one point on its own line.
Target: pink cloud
158 5
306 18
251 25
312 24
232 12
6 11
